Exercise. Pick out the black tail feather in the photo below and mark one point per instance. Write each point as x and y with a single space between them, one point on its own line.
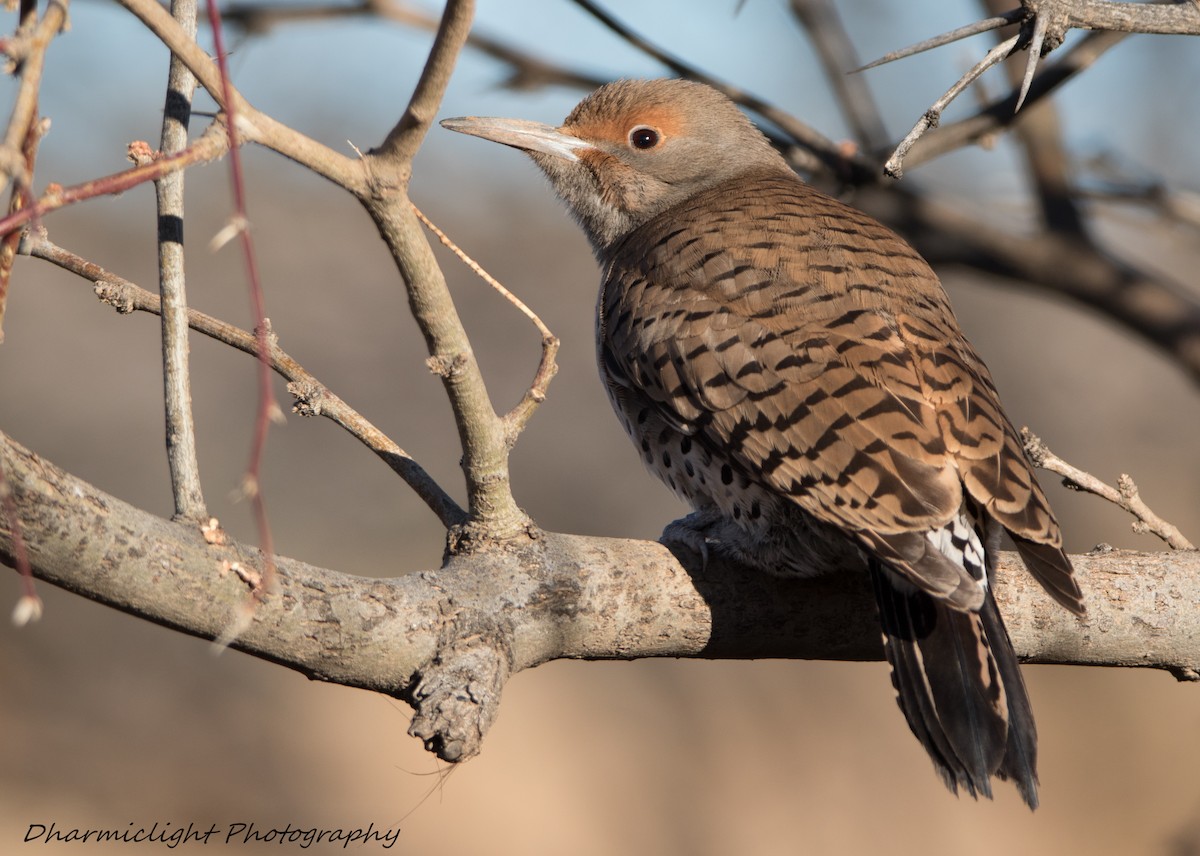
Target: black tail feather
959 685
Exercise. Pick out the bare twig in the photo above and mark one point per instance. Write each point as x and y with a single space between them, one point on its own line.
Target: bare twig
312 397
1002 113
1041 139
253 125
210 146
933 116
516 419
1125 494
405 138
21 198
177 393
268 409
494 513
18 152
969 30
24 112
1041 27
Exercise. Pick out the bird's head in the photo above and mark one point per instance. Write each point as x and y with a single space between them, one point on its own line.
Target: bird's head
633 149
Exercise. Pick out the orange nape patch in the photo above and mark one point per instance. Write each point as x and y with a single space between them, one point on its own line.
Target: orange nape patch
614 127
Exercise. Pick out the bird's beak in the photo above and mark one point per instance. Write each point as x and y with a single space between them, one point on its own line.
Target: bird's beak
520 134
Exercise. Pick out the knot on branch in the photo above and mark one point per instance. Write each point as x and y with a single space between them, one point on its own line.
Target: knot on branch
447 366
309 395
457 695
480 536
116 296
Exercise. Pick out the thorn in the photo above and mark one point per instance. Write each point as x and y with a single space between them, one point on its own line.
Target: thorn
1041 25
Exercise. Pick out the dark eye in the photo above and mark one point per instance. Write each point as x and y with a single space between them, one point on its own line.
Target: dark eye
642 137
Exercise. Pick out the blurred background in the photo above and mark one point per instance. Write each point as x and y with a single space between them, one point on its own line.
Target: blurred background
109 721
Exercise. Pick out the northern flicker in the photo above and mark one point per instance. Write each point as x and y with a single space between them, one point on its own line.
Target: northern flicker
792 369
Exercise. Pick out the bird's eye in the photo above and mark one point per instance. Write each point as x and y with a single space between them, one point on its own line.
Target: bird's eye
642 137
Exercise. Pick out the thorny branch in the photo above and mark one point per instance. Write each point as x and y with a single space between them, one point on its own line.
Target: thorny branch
1044 25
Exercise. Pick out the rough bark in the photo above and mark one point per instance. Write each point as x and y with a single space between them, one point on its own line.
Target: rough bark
447 639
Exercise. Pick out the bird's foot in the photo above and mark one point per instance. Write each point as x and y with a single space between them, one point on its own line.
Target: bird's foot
691 534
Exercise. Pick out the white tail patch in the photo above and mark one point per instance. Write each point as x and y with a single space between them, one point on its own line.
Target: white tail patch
959 541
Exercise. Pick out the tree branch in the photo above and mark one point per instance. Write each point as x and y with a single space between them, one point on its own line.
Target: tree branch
446 640
493 513
177 391
312 397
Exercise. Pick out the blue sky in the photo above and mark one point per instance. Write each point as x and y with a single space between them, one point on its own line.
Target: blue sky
348 79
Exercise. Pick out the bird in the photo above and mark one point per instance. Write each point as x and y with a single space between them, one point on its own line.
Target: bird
793 370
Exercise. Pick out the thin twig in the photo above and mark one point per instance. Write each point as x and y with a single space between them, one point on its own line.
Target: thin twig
210 146
933 116
1047 160
946 38
24 110
516 419
18 153
1001 114
312 397
268 408
177 394
1125 494
253 125
494 513
21 198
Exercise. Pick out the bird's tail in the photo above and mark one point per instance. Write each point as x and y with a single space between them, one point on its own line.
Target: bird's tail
959 684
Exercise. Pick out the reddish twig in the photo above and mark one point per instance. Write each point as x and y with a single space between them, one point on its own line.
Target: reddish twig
21 198
208 147
268 408
24 131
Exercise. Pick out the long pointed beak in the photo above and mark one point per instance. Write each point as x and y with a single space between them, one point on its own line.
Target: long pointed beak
520 134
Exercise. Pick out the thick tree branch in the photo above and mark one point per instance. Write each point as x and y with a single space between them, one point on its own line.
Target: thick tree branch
447 639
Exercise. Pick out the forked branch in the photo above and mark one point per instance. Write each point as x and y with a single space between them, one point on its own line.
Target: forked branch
1125 494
